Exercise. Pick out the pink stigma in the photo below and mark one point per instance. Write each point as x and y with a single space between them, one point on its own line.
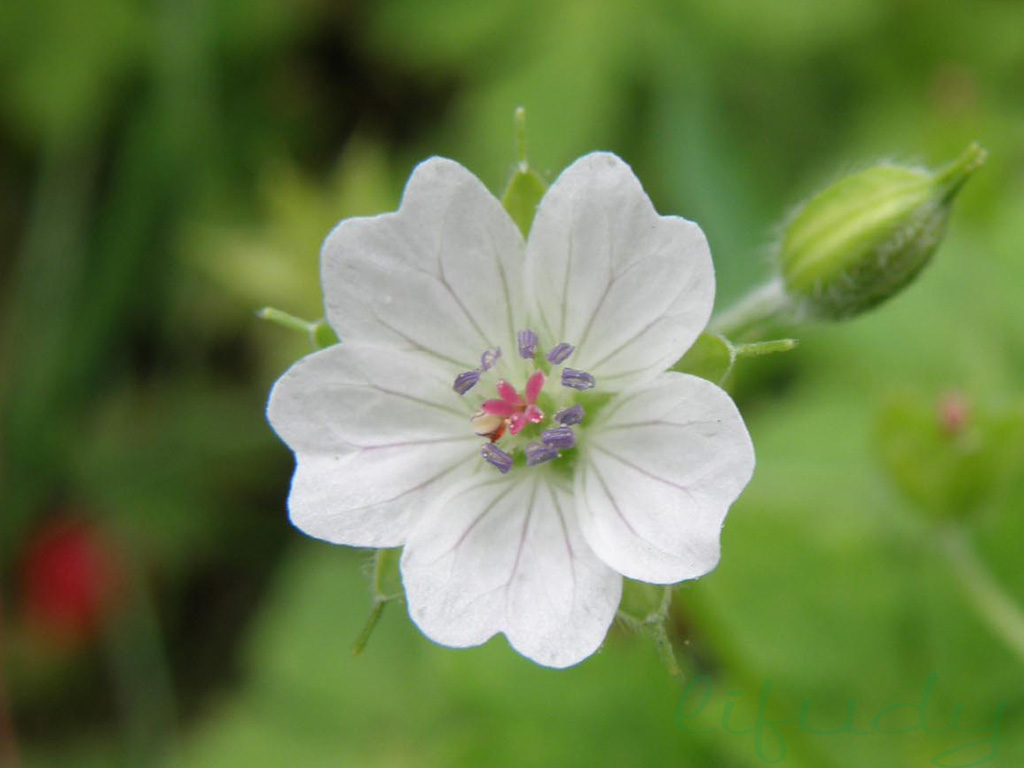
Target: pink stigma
508 393
533 386
513 407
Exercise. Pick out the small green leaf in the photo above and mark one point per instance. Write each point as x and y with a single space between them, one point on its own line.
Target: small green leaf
523 193
711 357
762 348
641 601
525 189
319 332
645 608
322 335
387 579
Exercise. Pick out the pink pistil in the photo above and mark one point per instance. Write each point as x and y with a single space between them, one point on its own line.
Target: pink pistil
508 393
513 407
499 408
530 415
533 386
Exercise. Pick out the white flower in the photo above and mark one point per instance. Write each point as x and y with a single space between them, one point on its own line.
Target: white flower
502 409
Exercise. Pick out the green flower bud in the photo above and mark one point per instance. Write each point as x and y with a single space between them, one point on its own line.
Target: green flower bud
866 237
951 458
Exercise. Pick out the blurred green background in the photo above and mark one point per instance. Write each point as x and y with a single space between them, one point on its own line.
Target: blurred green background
168 167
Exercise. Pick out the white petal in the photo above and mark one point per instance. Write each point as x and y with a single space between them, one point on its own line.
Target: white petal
631 289
376 434
662 465
504 554
443 275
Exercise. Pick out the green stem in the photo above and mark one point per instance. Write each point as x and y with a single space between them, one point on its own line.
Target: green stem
143 685
285 320
764 305
371 623
657 626
380 599
664 645
983 592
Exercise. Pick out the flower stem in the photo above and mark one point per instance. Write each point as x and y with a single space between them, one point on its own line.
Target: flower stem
983 592
665 650
143 686
382 559
765 304
657 625
371 623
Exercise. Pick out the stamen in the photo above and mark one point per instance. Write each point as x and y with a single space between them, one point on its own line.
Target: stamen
579 380
559 438
496 457
538 453
466 381
570 416
560 353
489 358
486 424
527 344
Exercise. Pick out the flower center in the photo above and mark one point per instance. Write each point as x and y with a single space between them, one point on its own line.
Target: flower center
515 422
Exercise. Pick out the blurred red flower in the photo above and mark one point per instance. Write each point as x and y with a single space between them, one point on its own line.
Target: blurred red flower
71 580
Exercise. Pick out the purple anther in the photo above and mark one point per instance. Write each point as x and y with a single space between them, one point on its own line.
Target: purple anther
466 381
527 344
560 353
559 438
489 358
570 416
496 457
538 453
577 379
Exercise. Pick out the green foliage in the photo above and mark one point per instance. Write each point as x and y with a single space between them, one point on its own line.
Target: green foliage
409 703
948 456
168 168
